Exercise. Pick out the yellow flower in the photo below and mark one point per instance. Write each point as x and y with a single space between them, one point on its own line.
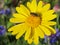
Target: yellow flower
35 21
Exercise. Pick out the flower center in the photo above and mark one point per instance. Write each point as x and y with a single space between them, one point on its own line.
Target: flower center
34 20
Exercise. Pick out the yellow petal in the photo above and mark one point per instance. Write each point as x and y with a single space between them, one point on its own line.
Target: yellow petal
27 34
20 34
30 40
15 32
39 32
48 17
18 9
22 31
28 4
49 12
51 29
23 10
18 28
52 17
45 30
46 7
39 8
49 23
32 6
15 28
18 20
16 15
40 4
36 38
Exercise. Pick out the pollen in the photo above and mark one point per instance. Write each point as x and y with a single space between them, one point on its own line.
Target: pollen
33 20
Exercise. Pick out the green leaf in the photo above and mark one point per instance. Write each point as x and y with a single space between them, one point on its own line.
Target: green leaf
9 24
18 42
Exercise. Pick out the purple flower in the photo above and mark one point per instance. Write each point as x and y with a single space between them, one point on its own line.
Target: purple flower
2 30
2 11
7 11
54 37
53 40
57 33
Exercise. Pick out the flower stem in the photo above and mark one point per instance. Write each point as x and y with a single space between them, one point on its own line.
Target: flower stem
58 20
48 42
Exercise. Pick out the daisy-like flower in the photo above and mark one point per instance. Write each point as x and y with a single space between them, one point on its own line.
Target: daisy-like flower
35 21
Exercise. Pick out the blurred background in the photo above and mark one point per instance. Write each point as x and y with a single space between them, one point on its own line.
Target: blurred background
7 8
